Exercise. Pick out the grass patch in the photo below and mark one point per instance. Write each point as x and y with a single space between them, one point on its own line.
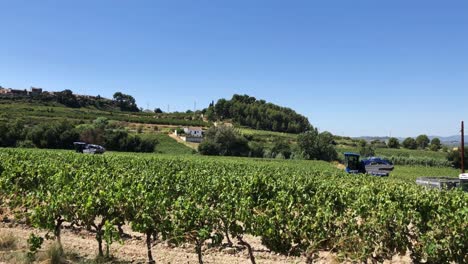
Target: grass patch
410 173
168 145
54 253
7 241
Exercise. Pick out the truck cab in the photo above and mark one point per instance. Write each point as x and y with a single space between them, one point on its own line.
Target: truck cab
352 163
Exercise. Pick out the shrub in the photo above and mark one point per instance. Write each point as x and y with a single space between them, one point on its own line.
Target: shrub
281 148
55 253
454 157
25 144
393 143
208 148
256 150
225 141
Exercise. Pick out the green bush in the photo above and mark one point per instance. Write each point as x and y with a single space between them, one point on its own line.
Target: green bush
224 141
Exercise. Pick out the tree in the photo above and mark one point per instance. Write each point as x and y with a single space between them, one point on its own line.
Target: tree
53 135
158 111
366 150
393 143
125 102
422 141
435 144
209 148
256 149
67 98
11 133
454 156
101 122
91 134
281 148
120 140
317 146
409 143
210 113
225 141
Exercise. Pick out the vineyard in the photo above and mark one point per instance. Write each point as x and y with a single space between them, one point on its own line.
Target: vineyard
295 207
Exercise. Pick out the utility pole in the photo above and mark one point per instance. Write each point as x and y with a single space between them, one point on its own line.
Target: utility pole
462 147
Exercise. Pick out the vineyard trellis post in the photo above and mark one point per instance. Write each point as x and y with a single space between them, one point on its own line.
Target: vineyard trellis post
462 148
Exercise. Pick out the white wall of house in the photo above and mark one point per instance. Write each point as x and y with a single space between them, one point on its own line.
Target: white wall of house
193 132
192 139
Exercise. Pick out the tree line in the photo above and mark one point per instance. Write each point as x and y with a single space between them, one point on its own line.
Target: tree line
257 114
228 141
311 145
61 135
420 142
122 101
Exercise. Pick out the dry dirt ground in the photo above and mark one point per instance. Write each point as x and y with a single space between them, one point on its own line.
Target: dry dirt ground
83 246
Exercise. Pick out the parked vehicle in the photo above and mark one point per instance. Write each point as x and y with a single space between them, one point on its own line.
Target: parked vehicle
83 147
374 165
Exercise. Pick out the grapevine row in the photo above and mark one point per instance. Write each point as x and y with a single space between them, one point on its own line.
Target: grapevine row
296 208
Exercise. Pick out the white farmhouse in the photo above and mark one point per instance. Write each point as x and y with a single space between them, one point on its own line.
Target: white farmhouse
193 131
191 134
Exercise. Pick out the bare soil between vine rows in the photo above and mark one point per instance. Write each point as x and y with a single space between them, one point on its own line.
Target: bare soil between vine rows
82 243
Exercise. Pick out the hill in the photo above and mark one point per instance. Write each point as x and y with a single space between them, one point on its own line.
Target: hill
247 111
67 98
31 120
243 110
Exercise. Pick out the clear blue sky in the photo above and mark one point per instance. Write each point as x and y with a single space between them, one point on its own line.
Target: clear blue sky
352 67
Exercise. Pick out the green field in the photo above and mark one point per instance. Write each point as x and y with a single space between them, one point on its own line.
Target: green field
294 207
410 173
168 145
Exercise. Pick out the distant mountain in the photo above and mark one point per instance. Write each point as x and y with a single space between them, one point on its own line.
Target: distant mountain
449 141
371 138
